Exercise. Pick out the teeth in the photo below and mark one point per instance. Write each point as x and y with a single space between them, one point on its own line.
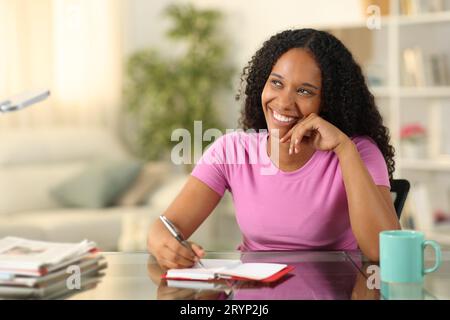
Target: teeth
282 118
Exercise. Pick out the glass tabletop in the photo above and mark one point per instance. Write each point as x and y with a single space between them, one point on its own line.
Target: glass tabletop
436 285
331 275
316 275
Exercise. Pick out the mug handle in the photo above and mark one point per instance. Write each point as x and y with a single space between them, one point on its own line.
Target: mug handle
437 251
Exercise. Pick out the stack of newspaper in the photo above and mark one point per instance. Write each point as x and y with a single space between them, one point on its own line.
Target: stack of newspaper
37 269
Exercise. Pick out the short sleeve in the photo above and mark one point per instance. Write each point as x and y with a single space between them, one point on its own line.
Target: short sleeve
210 169
374 160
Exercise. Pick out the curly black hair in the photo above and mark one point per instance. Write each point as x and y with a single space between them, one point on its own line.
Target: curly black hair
346 101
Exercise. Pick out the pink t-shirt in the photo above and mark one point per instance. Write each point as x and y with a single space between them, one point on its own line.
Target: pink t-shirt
305 209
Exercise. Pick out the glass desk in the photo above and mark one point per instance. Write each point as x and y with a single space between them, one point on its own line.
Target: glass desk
336 275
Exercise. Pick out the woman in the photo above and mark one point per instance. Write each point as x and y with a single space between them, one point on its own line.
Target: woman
325 138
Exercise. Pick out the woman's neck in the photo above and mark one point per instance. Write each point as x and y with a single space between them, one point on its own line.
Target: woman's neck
289 162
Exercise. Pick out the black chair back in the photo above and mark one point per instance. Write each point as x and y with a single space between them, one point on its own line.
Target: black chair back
399 191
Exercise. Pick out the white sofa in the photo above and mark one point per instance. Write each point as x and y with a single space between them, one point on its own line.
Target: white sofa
32 162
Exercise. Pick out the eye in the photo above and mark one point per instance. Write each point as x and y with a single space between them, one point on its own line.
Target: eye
304 92
276 83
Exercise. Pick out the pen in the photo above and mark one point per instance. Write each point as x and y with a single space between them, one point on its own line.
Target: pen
177 235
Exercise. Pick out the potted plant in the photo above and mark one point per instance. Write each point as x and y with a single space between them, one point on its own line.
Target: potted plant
413 138
164 94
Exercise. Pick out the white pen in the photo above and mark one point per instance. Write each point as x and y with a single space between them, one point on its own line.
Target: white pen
177 235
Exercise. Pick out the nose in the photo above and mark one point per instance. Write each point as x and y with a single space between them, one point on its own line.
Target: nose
286 100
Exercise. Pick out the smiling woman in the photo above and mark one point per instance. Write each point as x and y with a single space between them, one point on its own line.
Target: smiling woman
290 83
324 133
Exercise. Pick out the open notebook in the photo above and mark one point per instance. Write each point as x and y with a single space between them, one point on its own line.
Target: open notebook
230 269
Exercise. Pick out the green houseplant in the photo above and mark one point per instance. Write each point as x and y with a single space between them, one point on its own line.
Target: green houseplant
164 94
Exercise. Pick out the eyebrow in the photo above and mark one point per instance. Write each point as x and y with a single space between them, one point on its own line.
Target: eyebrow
306 84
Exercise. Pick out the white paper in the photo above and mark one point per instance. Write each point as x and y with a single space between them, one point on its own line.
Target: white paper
19 253
226 268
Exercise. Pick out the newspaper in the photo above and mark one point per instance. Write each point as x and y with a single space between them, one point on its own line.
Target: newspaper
55 290
23 256
85 265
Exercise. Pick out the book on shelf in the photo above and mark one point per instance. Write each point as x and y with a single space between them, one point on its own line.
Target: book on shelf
416 7
439 68
419 207
218 269
414 72
383 5
40 269
420 69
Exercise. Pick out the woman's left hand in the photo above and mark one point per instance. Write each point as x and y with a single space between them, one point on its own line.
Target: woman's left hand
319 133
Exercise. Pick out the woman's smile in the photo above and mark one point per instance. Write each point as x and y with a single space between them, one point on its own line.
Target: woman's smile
281 119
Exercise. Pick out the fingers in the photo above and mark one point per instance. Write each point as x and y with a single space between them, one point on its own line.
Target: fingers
302 130
288 134
179 248
172 260
179 255
198 250
173 255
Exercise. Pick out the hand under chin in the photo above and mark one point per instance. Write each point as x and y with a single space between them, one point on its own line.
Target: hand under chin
281 132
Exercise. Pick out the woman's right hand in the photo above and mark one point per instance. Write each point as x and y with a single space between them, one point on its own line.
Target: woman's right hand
169 253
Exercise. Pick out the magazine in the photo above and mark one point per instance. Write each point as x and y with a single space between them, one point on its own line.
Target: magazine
88 280
20 256
85 265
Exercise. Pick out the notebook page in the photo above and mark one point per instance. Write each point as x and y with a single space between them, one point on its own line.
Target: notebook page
255 271
218 264
197 285
212 266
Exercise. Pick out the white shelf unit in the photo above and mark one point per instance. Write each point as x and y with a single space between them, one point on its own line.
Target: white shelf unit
427 165
379 52
433 17
424 92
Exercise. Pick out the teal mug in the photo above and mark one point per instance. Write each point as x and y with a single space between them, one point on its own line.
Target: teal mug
402 256
402 291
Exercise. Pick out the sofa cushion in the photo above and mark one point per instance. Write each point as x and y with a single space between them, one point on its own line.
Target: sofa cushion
99 185
50 145
167 191
150 177
103 226
27 230
26 187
